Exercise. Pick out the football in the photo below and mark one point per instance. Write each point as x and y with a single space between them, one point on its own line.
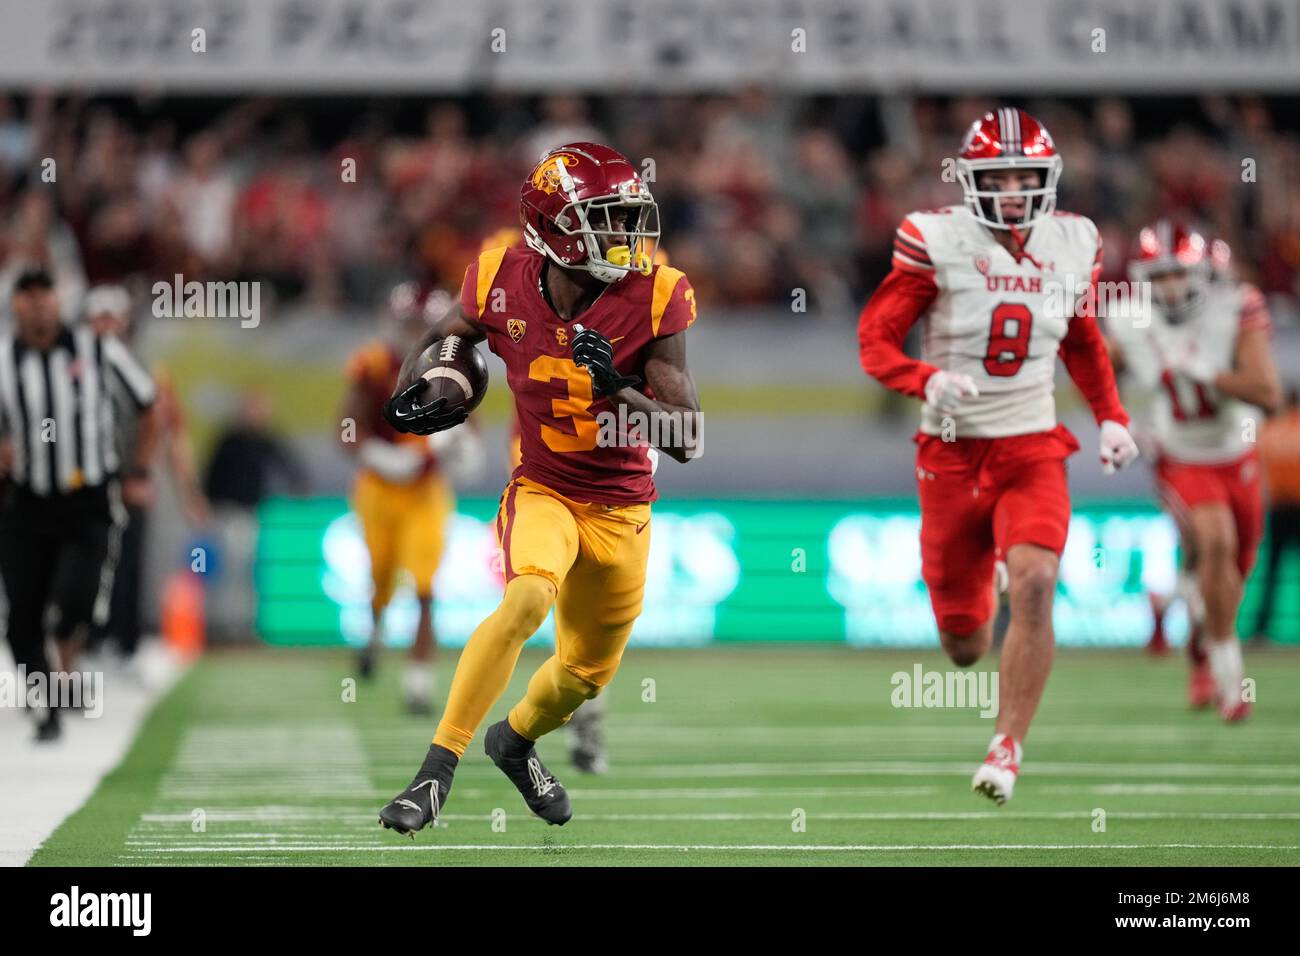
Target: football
454 369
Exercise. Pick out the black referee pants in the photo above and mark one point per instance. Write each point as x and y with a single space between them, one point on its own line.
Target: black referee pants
123 624
54 556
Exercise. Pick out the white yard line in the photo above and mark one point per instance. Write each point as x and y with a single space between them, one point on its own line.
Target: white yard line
218 763
926 768
303 819
41 785
560 848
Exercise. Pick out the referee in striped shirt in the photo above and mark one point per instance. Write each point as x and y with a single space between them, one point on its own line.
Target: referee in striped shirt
61 522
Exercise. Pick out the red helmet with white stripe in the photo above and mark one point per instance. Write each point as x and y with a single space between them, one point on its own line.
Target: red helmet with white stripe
1008 139
1171 246
585 207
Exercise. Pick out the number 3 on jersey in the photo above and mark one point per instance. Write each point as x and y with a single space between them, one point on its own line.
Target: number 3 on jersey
1008 339
576 404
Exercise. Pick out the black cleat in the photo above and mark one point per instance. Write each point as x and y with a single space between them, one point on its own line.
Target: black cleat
587 738
517 758
49 730
418 805
366 663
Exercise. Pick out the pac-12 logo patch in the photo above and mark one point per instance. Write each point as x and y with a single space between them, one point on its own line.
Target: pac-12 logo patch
982 264
516 328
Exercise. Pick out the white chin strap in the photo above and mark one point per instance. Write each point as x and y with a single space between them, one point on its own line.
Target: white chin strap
604 271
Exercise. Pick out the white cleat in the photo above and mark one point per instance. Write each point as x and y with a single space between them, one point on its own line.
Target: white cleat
996 777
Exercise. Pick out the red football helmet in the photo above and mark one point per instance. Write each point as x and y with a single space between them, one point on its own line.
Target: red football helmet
580 194
1008 139
1171 246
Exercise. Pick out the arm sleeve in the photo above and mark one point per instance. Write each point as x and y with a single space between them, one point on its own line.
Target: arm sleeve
131 372
1083 350
904 296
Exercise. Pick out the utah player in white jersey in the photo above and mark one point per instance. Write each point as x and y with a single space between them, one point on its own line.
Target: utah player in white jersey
1202 351
1002 285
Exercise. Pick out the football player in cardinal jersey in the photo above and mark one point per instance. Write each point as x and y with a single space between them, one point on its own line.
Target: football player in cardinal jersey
586 323
1002 285
401 497
1202 351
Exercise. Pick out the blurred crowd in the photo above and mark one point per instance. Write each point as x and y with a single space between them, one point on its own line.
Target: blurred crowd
331 202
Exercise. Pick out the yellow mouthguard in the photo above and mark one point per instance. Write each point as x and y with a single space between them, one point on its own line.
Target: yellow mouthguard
622 256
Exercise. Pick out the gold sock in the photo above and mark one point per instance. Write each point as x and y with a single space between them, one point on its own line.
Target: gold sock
489 659
553 695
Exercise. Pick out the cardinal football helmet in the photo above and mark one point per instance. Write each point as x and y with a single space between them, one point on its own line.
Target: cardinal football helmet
584 207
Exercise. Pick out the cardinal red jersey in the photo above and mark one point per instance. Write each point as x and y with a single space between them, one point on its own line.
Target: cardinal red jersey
561 439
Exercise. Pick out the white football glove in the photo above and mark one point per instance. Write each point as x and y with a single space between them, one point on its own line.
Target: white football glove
1118 448
945 390
395 462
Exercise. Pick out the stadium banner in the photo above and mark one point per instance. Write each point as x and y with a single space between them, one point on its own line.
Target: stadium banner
729 570
664 45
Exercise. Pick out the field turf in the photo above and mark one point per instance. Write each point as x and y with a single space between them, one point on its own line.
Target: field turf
744 756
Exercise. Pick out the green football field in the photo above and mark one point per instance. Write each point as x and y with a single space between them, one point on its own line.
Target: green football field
723 756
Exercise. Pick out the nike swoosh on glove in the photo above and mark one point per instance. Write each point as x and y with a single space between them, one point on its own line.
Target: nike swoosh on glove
594 352
946 390
405 413
1118 448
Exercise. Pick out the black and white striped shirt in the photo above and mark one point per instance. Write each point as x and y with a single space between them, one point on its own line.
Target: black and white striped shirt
57 409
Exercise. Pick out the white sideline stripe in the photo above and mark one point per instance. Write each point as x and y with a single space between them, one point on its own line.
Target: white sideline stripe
41 786
785 847
1178 789
649 727
359 816
914 768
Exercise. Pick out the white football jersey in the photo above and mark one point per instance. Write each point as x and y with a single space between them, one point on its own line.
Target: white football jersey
1191 421
997 319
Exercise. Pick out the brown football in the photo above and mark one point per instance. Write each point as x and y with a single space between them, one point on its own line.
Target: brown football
454 369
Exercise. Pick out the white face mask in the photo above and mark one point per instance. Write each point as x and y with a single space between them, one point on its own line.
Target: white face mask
631 248
984 204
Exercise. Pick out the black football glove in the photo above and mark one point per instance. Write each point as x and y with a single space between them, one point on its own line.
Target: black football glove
592 350
405 413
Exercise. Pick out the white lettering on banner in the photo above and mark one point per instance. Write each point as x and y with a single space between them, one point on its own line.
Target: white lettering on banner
443 45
